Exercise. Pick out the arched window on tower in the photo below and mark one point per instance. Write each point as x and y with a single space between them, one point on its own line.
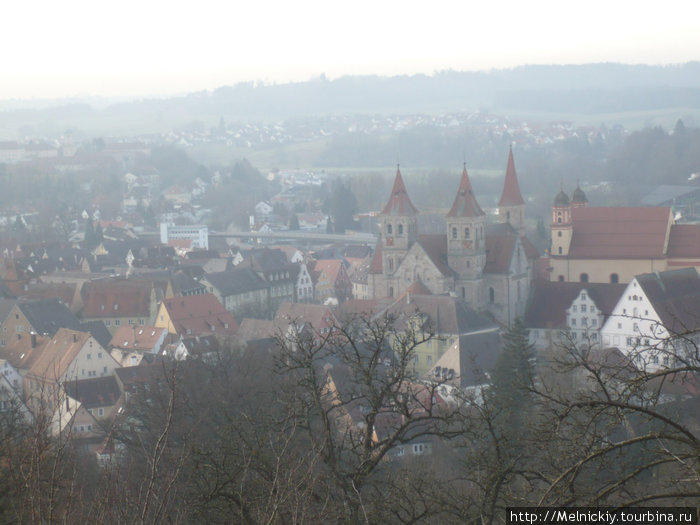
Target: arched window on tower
391 264
466 233
558 217
388 229
454 233
400 229
508 216
560 251
614 278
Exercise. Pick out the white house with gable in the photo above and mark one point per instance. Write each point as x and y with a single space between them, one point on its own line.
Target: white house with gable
656 322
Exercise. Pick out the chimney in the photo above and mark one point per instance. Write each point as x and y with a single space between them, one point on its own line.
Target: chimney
33 336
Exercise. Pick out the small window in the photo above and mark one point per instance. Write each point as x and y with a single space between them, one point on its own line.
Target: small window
117 322
400 229
558 234
466 233
614 278
584 278
560 279
454 233
492 295
389 229
560 250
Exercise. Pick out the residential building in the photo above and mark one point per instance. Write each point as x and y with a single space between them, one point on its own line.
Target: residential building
120 302
561 313
195 315
332 281
656 322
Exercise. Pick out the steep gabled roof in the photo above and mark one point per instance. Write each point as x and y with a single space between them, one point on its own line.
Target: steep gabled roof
46 316
465 204
119 298
200 314
684 241
511 195
675 296
376 266
473 358
94 392
619 233
399 203
236 281
549 301
58 354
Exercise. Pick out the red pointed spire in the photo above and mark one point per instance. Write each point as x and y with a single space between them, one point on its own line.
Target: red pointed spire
399 203
511 195
465 204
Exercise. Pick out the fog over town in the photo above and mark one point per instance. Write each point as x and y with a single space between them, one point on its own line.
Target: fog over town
381 264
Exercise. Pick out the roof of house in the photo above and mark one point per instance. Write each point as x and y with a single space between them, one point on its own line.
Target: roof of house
675 296
64 292
98 330
58 354
46 316
201 345
199 315
236 281
549 301
619 233
333 268
465 204
399 203
254 329
684 241
376 266
444 314
94 392
116 298
511 195
134 337
472 358
316 315
21 350
183 283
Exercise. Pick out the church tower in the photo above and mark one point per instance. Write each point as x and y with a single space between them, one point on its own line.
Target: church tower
562 229
511 207
466 246
399 230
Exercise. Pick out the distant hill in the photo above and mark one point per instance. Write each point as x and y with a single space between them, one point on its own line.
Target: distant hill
569 89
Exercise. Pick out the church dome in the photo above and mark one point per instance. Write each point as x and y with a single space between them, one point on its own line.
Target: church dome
562 199
578 195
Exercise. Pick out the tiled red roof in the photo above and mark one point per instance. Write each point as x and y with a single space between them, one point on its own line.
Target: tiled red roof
399 203
619 233
684 241
376 266
116 299
511 195
331 267
200 315
465 204
142 338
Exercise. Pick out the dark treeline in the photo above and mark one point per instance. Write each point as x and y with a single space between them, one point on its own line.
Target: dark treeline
325 430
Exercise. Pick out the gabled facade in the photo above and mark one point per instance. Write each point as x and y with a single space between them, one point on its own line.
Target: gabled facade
657 321
490 267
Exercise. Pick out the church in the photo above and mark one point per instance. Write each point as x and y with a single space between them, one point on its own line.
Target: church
489 266
614 244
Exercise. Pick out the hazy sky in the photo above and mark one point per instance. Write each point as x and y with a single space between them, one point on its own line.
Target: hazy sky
142 47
